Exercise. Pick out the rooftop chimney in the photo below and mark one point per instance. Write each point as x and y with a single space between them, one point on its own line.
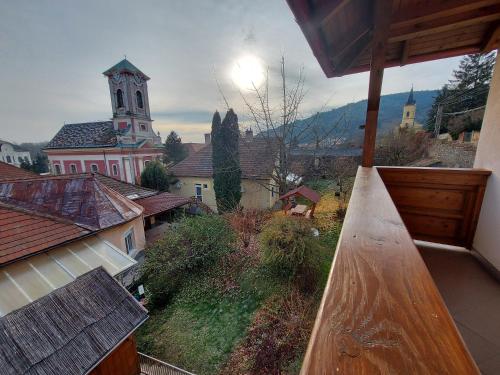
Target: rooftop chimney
207 138
249 134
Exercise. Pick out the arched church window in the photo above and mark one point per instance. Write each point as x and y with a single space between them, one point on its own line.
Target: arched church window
138 95
119 98
408 114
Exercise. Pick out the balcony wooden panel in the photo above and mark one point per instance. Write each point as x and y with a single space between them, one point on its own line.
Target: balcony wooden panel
381 312
437 204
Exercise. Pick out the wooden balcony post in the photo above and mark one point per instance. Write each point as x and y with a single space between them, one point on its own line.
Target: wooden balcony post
381 24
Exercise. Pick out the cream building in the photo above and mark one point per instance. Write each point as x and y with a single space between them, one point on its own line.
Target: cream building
195 180
408 120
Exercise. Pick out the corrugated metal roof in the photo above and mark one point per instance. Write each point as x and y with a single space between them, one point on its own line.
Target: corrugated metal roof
81 199
10 172
27 280
70 330
24 233
161 203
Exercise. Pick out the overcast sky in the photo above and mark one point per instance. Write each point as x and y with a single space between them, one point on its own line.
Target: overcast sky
53 53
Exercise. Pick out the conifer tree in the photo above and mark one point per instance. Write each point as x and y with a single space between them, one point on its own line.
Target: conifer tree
467 89
174 150
226 161
155 176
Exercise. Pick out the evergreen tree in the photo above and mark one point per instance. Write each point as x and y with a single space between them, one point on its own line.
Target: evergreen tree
25 164
226 161
467 89
40 164
155 176
174 151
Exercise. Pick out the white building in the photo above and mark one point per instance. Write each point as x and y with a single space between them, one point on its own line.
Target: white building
12 154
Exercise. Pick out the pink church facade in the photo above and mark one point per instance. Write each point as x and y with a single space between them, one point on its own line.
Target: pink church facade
119 148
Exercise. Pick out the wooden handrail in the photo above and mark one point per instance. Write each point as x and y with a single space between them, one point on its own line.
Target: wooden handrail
439 205
381 312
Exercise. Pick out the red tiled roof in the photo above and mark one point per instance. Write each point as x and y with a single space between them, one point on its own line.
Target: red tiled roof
191 148
160 203
256 161
11 172
25 233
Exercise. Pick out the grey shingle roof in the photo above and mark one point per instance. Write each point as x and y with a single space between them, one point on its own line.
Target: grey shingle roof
257 160
85 135
70 330
126 189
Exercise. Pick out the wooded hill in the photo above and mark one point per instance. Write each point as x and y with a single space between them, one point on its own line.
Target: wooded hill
390 114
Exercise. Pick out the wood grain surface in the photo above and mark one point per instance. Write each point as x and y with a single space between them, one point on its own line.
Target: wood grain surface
381 312
437 204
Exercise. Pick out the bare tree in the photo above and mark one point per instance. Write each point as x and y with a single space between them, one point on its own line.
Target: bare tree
402 147
277 121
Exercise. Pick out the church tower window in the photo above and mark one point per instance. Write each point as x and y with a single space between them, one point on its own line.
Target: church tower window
138 95
119 98
408 114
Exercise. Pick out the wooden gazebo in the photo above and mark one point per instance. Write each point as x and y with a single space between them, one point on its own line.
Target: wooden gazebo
304 192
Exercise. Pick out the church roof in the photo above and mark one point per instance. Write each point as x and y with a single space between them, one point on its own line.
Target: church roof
124 66
88 134
411 99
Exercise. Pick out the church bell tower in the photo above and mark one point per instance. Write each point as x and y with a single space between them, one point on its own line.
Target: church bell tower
409 111
130 103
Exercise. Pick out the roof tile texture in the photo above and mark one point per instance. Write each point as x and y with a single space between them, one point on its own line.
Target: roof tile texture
89 134
256 161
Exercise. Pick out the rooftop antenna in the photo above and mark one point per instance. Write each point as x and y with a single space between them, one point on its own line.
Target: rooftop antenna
125 57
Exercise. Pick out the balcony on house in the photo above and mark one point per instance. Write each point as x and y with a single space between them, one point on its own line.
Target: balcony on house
413 287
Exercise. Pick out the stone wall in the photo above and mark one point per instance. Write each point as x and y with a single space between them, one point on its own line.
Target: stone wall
453 154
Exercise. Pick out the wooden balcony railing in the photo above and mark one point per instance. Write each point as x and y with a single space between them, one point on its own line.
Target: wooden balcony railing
381 312
439 205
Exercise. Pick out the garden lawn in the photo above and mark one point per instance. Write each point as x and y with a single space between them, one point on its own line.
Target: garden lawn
209 317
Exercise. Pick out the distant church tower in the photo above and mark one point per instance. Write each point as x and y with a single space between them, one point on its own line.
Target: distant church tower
130 102
409 112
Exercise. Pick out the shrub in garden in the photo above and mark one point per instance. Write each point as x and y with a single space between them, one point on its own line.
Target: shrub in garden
279 333
193 244
247 222
290 250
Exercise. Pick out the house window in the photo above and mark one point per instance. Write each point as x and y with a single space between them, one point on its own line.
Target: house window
9 160
143 127
20 159
114 168
119 98
205 186
138 96
57 169
72 168
94 168
197 192
129 242
146 162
